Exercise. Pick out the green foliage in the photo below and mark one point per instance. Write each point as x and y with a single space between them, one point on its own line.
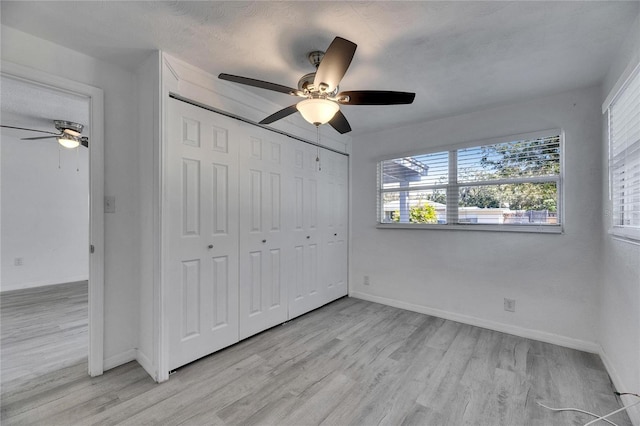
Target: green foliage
530 196
536 157
437 197
479 196
523 196
424 213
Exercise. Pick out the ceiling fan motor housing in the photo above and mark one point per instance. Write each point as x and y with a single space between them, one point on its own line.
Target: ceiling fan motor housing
305 84
69 127
306 81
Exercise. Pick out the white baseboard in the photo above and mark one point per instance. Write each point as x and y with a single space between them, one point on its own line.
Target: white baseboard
146 363
119 359
541 336
42 283
633 412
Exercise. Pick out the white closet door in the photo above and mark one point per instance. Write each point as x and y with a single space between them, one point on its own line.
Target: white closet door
306 291
263 289
201 263
335 216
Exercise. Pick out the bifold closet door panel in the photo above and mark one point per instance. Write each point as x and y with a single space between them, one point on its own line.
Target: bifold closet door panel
256 230
306 292
264 257
334 224
201 257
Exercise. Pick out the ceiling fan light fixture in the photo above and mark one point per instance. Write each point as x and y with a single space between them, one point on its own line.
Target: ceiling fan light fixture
69 141
317 111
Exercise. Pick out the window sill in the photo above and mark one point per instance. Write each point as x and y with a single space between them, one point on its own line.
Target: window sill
537 229
626 236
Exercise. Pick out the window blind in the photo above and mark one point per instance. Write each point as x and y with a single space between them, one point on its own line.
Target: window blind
510 160
624 159
515 183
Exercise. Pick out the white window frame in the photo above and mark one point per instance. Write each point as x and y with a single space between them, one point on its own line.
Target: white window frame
630 233
453 187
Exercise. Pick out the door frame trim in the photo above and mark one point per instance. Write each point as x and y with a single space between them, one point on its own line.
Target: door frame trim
96 197
258 125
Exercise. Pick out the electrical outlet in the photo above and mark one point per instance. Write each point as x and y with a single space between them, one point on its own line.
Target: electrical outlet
109 204
18 261
366 280
509 305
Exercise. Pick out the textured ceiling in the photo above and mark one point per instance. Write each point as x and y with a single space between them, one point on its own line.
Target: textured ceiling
456 56
35 107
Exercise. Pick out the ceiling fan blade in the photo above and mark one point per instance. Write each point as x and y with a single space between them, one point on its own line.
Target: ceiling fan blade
258 83
84 141
280 114
340 123
376 97
30 130
39 137
335 63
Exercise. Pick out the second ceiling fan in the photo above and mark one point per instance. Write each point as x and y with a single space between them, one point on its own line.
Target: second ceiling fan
70 135
320 88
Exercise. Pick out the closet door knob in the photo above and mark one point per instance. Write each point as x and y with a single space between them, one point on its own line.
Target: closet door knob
210 246
264 241
335 235
308 236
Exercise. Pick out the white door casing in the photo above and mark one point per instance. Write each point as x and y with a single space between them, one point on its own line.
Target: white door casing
263 254
202 250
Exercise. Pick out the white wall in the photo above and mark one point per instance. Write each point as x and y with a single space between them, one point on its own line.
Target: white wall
148 75
45 213
464 275
619 327
122 239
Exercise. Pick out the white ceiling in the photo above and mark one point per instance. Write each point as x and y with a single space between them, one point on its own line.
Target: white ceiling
456 56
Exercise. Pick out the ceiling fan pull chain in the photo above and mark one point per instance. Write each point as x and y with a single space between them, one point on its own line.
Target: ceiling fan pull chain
318 147
78 158
59 156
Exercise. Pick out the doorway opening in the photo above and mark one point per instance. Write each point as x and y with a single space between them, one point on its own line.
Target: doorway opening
50 282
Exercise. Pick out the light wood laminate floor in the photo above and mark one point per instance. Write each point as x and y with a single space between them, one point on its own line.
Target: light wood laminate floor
350 362
42 330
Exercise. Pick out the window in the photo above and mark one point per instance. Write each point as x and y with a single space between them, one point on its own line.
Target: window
624 159
511 184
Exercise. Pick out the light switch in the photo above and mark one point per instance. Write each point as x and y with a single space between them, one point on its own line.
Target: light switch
109 204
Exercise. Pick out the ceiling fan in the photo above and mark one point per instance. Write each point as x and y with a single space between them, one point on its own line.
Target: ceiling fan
320 88
70 135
